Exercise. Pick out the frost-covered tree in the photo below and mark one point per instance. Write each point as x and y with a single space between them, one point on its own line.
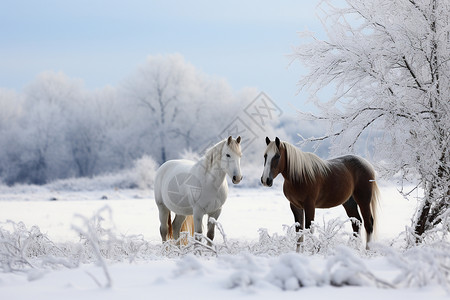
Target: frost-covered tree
158 88
56 128
174 106
44 124
85 134
389 62
10 112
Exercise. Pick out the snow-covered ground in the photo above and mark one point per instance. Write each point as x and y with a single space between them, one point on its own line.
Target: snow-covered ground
247 263
135 212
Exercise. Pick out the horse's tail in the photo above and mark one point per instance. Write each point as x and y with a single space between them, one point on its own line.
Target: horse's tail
374 205
169 229
188 225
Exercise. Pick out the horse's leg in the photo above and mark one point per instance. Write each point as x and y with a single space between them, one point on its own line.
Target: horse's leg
211 225
368 223
363 199
299 218
198 217
310 211
163 219
176 225
351 208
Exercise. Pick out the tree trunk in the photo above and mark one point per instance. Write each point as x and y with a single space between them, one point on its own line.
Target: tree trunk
436 202
422 222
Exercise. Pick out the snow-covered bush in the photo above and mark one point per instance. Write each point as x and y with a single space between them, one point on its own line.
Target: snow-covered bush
145 171
292 272
123 180
142 176
23 249
421 265
189 154
329 257
317 240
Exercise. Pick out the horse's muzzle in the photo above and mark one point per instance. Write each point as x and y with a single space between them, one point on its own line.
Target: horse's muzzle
268 182
237 179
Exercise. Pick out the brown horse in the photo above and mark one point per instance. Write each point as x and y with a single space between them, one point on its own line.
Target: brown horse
310 183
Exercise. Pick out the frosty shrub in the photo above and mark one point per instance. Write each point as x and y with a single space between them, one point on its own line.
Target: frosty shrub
24 250
197 244
343 268
421 265
97 240
123 180
142 175
292 272
317 239
145 169
331 256
190 155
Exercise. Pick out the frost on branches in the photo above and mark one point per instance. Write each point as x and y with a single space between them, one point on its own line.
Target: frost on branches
389 62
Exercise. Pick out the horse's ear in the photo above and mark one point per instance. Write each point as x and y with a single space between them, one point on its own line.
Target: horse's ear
267 141
238 140
277 142
229 140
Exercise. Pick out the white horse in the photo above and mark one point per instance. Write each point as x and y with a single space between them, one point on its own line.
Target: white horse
196 188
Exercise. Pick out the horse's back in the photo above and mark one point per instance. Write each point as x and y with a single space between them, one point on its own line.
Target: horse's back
168 170
357 166
346 174
177 165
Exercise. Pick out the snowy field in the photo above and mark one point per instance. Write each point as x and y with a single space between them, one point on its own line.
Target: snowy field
253 257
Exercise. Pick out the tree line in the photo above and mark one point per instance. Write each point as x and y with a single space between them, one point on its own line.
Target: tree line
55 128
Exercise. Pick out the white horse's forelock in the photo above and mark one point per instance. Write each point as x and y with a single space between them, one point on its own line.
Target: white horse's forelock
304 165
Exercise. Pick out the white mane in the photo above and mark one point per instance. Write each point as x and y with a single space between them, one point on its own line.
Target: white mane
214 153
304 165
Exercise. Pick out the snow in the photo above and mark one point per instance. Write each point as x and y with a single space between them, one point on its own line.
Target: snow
255 260
134 211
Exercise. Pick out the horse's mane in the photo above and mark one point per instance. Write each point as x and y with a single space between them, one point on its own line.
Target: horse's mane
304 166
214 153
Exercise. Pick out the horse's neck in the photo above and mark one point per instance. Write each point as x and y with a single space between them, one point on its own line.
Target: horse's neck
209 173
284 169
304 174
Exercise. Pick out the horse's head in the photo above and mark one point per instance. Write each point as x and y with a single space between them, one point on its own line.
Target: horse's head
273 161
231 159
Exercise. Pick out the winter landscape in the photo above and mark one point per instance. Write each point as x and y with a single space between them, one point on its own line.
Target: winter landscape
96 96
254 256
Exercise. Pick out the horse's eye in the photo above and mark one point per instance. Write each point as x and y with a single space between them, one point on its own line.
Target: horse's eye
228 155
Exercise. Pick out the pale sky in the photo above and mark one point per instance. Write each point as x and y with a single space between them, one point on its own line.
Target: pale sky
102 42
